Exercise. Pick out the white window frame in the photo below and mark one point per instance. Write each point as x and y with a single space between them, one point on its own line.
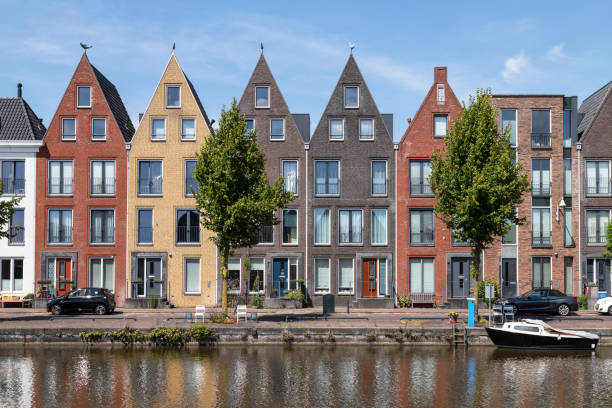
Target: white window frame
12 274
138 193
551 269
358 96
297 227
71 226
346 292
195 132
192 258
378 260
326 177
297 174
362 139
440 101
422 272
67 139
372 178
180 96
362 227
138 226
49 193
255 90
95 138
328 243
187 194
165 129
435 115
586 186
341 139
550 223
101 259
263 277
91 243
176 237
249 119
22 227
77 96
271 138
586 225
233 291
91 161
386 210
314 266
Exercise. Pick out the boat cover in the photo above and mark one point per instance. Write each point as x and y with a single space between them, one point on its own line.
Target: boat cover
584 334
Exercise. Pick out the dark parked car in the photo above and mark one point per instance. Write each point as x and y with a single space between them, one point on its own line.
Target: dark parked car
543 300
97 300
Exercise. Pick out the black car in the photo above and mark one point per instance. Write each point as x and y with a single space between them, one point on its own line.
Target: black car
97 300
543 300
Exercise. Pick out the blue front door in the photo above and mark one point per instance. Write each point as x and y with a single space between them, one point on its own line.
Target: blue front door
279 277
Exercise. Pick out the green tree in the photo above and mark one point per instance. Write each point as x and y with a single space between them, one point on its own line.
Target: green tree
235 199
476 181
7 208
608 252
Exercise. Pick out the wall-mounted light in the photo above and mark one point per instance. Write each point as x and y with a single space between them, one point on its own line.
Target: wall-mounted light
560 206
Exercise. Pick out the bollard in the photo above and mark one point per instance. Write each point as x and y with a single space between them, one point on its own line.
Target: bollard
348 306
471 311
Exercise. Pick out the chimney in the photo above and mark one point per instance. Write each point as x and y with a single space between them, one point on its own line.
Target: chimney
440 75
409 122
140 115
19 90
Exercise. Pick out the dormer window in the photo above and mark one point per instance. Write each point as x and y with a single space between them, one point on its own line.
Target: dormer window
366 129
98 129
351 96
262 96
83 97
173 96
440 125
158 129
277 129
441 97
68 129
336 129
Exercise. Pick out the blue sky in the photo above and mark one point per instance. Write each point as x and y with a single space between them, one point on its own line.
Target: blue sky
512 47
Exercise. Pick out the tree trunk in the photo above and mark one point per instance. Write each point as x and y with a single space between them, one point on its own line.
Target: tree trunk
224 274
476 253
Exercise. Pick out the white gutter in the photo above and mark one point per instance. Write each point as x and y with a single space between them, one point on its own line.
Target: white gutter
579 150
395 260
307 148
128 271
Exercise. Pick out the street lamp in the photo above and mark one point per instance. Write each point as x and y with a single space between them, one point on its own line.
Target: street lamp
560 206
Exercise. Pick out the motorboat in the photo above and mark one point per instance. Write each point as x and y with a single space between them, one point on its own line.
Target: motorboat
535 334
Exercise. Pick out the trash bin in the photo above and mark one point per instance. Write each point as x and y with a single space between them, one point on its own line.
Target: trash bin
602 294
329 304
471 311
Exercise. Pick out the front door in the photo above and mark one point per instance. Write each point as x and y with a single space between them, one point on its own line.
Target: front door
154 277
370 278
460 277
280 277
63 268
603 275
508 278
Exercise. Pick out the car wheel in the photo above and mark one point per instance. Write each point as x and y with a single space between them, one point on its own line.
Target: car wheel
56 310
563 309
610 310
100 310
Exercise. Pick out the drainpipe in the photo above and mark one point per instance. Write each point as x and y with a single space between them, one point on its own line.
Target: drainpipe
579 150
307 199
128 146
395 260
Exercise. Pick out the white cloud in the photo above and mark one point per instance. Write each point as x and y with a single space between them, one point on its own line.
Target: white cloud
556 53
385 68
514 67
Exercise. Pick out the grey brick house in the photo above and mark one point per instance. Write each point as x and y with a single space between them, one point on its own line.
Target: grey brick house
277 263
351 214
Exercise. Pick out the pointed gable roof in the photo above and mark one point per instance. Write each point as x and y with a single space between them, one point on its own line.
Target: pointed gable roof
590 106
351 75
18 121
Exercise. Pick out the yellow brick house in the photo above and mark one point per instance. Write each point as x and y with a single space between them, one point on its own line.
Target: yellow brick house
170 255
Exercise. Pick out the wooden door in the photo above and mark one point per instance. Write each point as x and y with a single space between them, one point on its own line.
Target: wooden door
63 267
370 278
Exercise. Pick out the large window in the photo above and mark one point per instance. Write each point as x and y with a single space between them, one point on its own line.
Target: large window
102 273
150 177
540 128
191 185
366 129
421 275
262 96
145 226
321 266
597 177
379 227
540 177
351 96
440 125
567 177
508 119
102 228
233 275
290 227
322 225
256 275
158 129
597 224
277 129
326 175
336 129
420 170
379 177
60 177
68 129
568 275
13 177
567 128
11 272
16 228
382 277
542 277
192 276
350 227
346 275
59 229
568 236
83 97
266 235
173 96
421 227
188 131
540 227
98 129
102 177
510 236
187 227
290 175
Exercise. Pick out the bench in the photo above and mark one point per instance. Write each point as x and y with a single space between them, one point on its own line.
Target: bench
13 299
423 298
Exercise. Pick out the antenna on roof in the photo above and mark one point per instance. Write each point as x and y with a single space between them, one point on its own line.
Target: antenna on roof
351 46
261 46
173 46
86 47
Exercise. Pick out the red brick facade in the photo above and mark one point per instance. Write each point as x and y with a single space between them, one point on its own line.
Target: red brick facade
105 103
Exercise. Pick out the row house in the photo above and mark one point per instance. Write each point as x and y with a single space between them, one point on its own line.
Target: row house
594 154
277 264
81 185
21 136
170 255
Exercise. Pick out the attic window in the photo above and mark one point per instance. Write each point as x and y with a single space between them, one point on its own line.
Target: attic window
351 96
262 96
441 97
68 129
173 96
83 97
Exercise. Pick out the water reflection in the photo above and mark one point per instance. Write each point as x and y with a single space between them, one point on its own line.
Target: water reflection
275 377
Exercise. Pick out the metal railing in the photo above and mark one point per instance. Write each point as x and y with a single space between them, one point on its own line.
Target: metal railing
421 238
420 189
266 235
596 185
59 185
17 235
60 235
150 186
594 238
187 234
101 185
540 190
102 237
541 239
540 141
13 186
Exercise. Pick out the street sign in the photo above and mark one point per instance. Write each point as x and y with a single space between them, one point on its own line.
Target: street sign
489 291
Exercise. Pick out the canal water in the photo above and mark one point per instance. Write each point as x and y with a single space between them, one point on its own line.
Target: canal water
303 376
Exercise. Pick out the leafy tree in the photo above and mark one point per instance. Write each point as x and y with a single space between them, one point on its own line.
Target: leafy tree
235 199
7 208
477 184
608 252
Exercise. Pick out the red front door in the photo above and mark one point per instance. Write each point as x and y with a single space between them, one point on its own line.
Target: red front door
370 278
63 267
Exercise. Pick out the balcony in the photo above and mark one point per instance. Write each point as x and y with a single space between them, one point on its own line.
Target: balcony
597 186
101 185
422 238
188 235
145 235
540 190
420 189
540 141
17 235
13 186
541 239
150 186
60 185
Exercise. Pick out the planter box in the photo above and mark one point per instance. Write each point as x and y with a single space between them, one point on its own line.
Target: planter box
279 303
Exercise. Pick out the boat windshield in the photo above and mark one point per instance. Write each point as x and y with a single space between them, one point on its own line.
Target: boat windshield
527 328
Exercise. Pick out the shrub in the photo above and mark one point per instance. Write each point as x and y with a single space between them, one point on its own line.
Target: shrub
90 336
294 294
127 336
203 333
583 301
481 290
257 302
162 336
218 317
404 301
29 296
287 336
